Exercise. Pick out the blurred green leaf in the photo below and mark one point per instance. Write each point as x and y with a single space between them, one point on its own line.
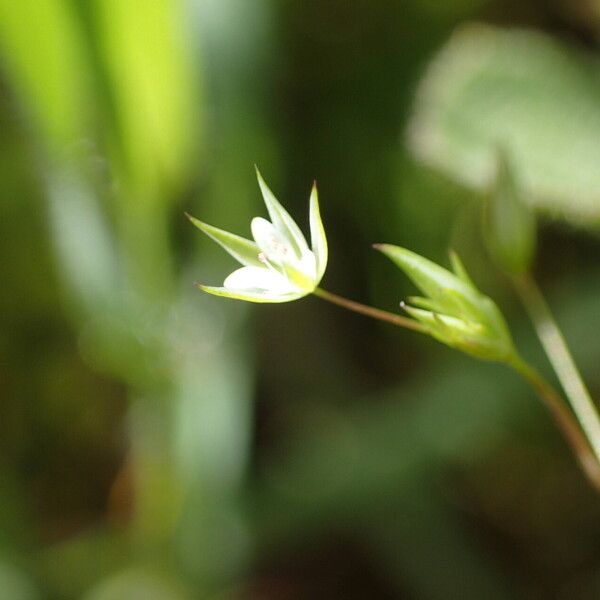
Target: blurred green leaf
427 546
78 563
138 584
526 93
16 585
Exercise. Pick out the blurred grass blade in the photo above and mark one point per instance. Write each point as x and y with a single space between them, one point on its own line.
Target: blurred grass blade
143 46
524 92
82 240
46 57
42 48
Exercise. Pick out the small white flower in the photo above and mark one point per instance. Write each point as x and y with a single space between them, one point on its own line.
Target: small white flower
278 266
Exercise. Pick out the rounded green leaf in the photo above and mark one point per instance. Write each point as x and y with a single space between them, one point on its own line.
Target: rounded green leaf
522 91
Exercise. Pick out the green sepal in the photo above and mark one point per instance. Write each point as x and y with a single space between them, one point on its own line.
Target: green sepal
459 268
451 293
424 303
243 250
317 233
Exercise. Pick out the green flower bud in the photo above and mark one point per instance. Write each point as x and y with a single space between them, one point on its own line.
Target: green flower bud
453 310
509 224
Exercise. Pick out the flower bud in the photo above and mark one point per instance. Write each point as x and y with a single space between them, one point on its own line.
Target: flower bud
454 311
509 224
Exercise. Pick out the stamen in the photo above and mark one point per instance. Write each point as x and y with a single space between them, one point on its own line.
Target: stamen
278 248
262 257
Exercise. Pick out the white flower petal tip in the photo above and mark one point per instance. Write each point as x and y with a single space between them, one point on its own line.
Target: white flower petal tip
278 265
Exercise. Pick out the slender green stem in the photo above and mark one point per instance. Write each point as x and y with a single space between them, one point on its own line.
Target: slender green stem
560 357
564 419
369 311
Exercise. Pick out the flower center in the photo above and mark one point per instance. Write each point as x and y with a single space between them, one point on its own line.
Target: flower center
265 259
277 249
276 253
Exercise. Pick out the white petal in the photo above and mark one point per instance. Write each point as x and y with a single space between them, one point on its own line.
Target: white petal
258 279
308 265
250 296
271 242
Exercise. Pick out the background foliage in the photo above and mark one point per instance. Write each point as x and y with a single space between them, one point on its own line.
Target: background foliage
159 443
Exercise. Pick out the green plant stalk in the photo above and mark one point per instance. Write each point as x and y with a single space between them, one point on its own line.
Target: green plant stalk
563 417
560 357
553 401
369 311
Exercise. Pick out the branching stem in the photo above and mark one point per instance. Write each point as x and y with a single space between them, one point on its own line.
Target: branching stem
583 447
560 357
564 419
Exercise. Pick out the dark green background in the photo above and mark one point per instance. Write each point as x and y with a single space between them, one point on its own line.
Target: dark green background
157 443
